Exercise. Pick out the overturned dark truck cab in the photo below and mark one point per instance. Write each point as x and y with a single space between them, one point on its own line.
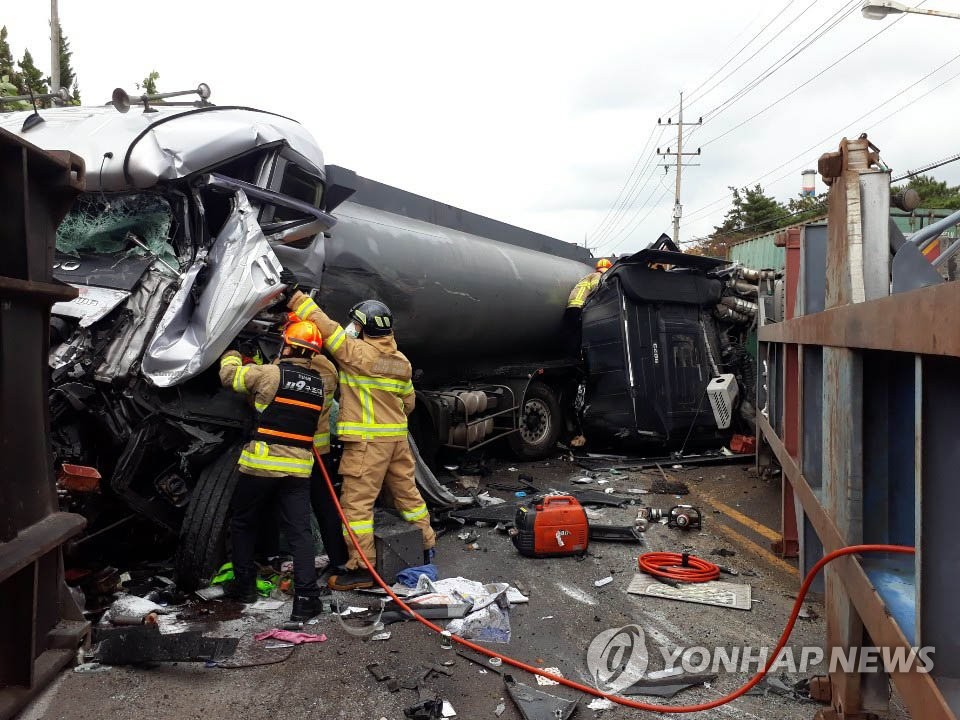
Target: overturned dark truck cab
660 352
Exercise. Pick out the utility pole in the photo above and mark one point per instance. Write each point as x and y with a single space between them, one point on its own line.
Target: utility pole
54 47
679 164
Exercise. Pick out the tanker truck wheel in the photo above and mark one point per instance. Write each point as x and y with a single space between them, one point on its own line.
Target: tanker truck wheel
540 423
203 534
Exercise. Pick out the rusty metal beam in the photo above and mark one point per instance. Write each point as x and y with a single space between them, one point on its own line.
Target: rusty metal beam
912 322
918 690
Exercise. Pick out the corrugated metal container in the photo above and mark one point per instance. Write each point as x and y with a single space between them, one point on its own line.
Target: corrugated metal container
759 252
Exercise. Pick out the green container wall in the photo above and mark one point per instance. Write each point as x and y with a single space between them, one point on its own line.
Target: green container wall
759 253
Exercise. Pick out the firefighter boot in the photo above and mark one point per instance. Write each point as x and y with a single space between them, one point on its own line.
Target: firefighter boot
305 607
358 579
245 592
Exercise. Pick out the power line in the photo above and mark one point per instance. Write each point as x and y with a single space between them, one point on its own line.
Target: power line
639 184
625 182
805 83
825 27
847 125
749 42
640 221
759 50
926 168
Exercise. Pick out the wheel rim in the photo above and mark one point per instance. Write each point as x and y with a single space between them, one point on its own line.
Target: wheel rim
535 421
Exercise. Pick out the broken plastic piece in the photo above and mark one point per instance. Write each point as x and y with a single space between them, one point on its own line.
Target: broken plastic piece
536 704
603 581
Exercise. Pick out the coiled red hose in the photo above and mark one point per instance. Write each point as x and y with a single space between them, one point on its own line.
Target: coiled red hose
679 567
627 702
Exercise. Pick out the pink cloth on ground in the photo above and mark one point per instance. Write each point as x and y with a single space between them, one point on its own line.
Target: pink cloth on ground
289 636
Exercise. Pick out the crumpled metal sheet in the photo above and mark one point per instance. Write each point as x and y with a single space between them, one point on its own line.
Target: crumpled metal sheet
242 278
192 142
144 305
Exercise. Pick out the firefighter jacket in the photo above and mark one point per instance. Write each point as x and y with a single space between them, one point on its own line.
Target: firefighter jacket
376 393
272 452
583 289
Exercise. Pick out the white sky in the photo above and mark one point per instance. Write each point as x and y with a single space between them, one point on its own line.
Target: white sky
535 112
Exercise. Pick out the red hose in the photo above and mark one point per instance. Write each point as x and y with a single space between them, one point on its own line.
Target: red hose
679 567
798 603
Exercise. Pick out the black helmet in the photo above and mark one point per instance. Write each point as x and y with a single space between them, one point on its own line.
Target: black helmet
374 317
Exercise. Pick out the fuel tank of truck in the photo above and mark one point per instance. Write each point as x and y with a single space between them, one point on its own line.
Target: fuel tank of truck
460 301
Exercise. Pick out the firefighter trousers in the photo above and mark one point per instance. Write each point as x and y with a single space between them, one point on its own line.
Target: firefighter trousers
366 467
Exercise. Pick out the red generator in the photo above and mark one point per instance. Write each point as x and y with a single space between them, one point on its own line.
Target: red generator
552 527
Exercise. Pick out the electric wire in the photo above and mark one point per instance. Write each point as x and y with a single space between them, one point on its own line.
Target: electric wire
829 24
926 168
626 182
640 183
802 85
847 125
626 702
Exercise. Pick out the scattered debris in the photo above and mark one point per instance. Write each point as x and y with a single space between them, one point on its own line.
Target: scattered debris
615 533
378 672
547 681
723 552
668 685
145 643
600 704
500 709
536 704
381 636
669 487
426 710
807 613
495 662
603 581
91 667
715 592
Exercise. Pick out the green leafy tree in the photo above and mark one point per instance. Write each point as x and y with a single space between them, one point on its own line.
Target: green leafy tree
806 207
149 83
752 212
32 78
933 193
7 68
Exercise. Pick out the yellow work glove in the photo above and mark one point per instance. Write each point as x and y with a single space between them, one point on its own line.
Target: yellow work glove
232 357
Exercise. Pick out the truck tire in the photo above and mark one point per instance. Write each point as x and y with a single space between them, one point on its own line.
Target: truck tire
203 534
540 423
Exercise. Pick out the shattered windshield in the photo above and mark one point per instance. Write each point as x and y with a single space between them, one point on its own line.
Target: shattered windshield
109 225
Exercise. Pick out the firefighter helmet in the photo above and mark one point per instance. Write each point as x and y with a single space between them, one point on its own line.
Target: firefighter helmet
303 334
373 317
603 265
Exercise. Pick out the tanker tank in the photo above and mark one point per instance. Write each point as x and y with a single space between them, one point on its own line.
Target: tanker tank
463 302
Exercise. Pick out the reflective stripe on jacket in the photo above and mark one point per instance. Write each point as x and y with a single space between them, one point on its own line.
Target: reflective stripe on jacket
376 393
583 289
260 382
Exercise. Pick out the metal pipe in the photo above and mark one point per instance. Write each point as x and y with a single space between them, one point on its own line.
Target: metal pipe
946 254
925 236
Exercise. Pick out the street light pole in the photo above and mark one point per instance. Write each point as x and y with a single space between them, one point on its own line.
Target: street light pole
880 9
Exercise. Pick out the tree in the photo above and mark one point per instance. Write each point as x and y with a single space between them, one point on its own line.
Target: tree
933 194
752 212
68 77
7 68
806 207
149 84
32 78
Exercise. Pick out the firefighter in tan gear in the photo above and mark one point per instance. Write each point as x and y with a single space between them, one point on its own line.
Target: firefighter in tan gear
293 410
376 396
587 286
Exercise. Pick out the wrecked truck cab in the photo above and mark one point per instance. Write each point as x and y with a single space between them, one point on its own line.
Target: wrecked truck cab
172 250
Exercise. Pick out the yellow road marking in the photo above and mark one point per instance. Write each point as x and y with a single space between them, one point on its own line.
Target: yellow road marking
758 528
754 548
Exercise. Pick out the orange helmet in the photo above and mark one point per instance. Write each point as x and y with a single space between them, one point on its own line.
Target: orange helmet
303 334
603 265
